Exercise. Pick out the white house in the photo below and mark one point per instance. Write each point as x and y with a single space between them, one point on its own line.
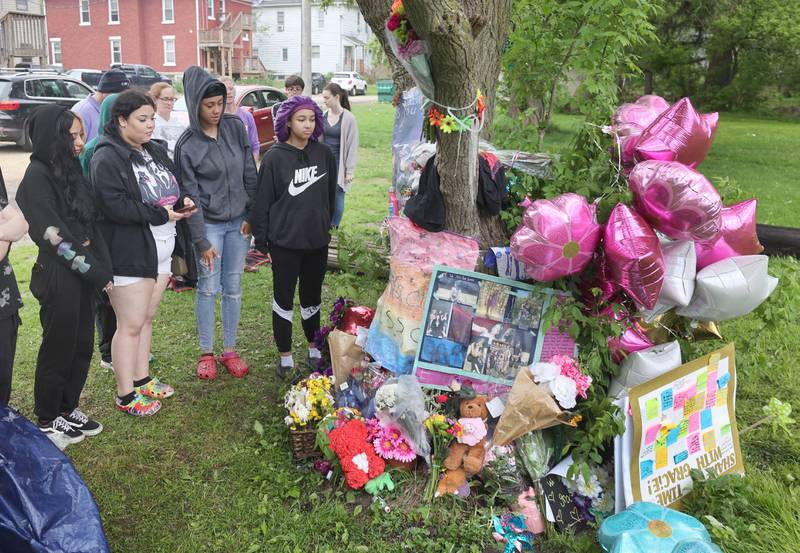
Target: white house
339 37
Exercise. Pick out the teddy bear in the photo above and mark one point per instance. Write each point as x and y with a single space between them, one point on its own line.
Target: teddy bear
466 456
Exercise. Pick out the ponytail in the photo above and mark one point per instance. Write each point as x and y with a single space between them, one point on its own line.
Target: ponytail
337 90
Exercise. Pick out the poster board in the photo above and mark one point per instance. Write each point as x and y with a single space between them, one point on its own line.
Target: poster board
682 420
482 329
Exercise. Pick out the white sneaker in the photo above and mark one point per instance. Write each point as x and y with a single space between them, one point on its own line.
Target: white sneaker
61 433
109 365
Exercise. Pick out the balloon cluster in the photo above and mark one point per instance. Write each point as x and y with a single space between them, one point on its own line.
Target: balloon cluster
675 251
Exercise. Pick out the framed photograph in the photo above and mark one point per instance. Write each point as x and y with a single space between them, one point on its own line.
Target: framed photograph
479 329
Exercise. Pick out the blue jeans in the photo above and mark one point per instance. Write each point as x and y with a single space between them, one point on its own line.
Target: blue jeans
338 211
226 278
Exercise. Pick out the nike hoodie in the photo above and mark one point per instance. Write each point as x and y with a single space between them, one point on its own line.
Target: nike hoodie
219 175
296 197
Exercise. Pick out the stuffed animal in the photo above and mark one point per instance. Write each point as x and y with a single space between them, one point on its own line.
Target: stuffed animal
357 456
466 456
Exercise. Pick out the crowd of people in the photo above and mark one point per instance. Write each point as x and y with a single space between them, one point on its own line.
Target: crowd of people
120 195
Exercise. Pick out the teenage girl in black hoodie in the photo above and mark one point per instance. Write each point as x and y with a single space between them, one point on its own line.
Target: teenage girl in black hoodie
292 218
71 267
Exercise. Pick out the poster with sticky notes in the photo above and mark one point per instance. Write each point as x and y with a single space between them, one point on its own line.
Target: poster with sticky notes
682 420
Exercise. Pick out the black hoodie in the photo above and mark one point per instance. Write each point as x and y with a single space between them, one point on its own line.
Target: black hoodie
296 197
57 231
219 175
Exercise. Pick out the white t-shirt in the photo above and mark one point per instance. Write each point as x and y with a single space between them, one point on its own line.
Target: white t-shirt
169 131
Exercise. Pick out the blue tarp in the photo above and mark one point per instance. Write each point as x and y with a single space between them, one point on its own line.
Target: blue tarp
45 507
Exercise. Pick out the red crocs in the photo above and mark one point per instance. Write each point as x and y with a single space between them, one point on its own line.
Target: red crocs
234 364
207 367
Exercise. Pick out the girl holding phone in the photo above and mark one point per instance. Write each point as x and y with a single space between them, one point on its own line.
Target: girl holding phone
136 188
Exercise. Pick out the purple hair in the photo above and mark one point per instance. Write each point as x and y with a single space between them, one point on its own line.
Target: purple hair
288 107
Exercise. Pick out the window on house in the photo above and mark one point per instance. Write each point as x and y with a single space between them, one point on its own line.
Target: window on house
315 51
321 19
55 51
285 54
245 36
22 5
83 5
113 11
210 9
359 22
222 9
167 11
281 21
116 49
169 50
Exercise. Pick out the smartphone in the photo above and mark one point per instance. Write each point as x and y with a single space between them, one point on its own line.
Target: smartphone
184 209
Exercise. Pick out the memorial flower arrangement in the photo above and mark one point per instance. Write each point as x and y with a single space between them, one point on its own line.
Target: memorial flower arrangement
442 431
563 378
390 442
308 401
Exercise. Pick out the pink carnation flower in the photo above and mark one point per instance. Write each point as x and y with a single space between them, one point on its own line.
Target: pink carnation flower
394 22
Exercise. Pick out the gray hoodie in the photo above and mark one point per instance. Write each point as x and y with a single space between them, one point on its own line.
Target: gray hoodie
219 175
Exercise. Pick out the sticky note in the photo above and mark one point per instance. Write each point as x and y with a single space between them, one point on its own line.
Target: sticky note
661 457
691 391
702 379
722 397
680 457
725 430
661 441
666 399
706 418
651 408
645 469
699 400
651 434
683 428
672 436
712 378
680 399
709 441
689 407
693 442
711 398
694 422
723 380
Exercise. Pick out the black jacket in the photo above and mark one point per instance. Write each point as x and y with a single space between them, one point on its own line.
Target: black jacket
58 232
126 218
296 197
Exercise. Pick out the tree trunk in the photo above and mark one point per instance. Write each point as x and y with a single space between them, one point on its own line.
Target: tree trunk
375 13
466 39
648 82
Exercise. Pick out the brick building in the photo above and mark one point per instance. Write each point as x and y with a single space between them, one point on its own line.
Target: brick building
168 35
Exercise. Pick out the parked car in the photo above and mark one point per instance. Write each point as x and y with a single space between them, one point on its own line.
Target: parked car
88 76
21 92
318 82
258 99
141 75
351 82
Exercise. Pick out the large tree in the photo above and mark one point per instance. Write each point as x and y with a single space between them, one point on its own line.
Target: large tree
466 40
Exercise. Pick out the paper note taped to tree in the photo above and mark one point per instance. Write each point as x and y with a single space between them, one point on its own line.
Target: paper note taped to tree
682 420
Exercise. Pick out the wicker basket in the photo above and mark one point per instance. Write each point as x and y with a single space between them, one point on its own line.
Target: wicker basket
303 444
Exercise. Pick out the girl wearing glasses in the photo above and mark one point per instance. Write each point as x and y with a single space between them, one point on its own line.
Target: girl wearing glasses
168 129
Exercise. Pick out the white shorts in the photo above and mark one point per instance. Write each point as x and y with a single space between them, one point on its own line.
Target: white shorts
164 249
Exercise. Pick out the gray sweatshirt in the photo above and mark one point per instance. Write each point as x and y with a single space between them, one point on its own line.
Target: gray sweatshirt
219 175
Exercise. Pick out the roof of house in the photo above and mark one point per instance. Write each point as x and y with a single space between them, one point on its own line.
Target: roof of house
269 3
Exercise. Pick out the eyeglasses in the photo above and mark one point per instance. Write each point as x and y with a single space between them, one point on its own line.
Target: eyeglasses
167 100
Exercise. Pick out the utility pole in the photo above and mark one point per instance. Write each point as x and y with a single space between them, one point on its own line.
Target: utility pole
305 45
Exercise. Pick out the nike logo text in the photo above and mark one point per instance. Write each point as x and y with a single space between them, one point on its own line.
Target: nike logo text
306 175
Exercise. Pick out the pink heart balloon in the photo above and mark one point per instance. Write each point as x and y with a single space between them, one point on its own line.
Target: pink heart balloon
634 255
677 200
557 237
633 337
678 134
736 237
601 278
630 120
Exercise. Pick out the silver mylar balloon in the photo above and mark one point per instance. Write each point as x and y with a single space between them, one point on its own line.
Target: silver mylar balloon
730 288
642 366
680 261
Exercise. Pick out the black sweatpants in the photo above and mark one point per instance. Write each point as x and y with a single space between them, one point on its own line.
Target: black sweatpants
8 347
106 322
67 316
288 267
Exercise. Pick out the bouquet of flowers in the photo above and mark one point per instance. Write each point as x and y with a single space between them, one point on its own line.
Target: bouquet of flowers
321 336
562 378
308 401
401 402
443 430
593 497
410 50
390 442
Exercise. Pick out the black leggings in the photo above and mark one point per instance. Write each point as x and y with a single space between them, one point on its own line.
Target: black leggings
289 266
67 317
8 346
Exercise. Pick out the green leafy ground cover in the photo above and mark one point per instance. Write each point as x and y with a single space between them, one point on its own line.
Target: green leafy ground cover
197 477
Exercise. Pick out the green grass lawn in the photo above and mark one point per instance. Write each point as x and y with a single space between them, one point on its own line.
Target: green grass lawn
198 478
